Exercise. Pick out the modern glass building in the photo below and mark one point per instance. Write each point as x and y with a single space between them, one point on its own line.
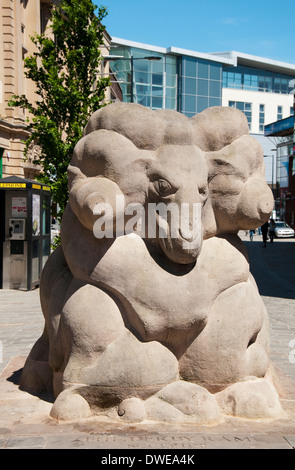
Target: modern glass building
189 82
146 77
171 78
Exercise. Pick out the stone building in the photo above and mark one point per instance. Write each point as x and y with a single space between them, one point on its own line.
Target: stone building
20 19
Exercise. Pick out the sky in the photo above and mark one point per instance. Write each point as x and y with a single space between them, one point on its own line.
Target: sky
262 28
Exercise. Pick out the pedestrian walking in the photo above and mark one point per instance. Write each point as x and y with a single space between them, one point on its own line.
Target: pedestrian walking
264 231
272 226
251 235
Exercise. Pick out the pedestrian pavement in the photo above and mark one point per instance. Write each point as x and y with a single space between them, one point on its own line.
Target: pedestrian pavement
25 422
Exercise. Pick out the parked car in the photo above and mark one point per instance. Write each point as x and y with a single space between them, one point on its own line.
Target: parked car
283 230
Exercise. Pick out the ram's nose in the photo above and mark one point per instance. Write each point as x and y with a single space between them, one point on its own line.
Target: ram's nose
188 234
190 221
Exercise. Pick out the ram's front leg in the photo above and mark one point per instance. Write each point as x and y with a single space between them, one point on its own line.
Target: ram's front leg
104 363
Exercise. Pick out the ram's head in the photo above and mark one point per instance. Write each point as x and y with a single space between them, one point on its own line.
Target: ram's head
175 180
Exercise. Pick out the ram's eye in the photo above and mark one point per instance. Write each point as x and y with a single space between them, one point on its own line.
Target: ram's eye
203 190
164 188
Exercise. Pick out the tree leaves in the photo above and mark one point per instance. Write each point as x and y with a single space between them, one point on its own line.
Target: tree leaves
64 68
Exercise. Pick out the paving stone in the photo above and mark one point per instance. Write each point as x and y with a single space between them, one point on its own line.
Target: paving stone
291 441
21 324
32 442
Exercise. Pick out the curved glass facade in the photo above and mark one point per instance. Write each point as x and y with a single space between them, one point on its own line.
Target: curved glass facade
181 83
154 82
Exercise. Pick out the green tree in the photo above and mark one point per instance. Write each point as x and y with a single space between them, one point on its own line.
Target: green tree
65 69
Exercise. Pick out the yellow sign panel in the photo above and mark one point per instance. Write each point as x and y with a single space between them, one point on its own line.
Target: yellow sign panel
23 185
13 185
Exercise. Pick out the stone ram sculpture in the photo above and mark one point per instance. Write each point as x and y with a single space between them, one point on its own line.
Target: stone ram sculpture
160 319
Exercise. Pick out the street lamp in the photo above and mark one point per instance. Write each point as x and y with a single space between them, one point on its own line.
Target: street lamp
272 169
131 59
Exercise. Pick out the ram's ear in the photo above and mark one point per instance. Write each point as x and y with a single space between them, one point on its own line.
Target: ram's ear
241 198
255 204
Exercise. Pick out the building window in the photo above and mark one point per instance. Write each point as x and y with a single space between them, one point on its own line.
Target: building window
280 113
201 85
246 108
291 110
44 16
250 78
154 82
261 117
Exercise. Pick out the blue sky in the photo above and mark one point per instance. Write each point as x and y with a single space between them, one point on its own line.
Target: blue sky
262 28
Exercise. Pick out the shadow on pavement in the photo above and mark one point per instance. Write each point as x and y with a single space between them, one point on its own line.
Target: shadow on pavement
15 379
273 267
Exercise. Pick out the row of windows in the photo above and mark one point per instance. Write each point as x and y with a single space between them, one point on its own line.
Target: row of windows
156 102
280 112
191 105
247 110
201 87
156 83
199 68
248 78
261 117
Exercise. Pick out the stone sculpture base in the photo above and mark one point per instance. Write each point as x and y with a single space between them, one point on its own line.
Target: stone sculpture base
178 403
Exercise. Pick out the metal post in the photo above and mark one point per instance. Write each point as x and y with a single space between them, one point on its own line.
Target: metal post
272 171
132 79
1 161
